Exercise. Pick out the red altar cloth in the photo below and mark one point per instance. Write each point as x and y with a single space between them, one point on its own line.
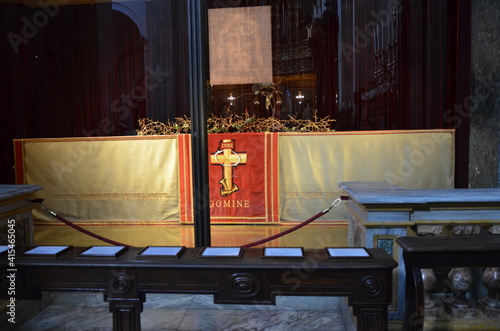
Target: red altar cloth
243 170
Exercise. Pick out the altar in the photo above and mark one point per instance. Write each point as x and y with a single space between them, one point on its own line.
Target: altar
380 213
255 178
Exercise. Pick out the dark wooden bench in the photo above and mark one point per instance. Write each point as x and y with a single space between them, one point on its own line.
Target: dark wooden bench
444 252
250 278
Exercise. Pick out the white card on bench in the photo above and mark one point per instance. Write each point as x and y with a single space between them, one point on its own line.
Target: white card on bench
162 250
283 252
46 250
102 251
221 251
348 252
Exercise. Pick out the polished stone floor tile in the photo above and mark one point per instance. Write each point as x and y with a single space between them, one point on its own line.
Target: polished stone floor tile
282 303
162 319
80 299
256 320
66 318
169 301
72 311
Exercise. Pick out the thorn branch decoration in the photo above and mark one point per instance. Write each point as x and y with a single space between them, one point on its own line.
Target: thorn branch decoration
241 123
235 123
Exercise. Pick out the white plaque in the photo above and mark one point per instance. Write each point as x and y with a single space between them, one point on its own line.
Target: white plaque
160 251
221 252
283 252
347 252
46 250
103 251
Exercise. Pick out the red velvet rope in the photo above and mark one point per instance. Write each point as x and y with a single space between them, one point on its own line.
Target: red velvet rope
296 227
76 227
112 242
87 232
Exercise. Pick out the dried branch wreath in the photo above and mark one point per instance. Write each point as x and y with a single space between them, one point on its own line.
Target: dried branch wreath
236 124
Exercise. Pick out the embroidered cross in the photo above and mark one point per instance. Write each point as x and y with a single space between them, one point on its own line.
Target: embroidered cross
228 159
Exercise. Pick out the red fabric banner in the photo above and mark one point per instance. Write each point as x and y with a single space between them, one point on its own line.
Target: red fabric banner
185 179
243 178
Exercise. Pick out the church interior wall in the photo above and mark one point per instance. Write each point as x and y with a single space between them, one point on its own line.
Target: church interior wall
158 47
484 170
29 117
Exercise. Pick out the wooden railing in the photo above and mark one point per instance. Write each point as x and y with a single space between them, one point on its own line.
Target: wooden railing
459 256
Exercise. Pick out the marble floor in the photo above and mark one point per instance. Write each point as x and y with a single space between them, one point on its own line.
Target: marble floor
77 311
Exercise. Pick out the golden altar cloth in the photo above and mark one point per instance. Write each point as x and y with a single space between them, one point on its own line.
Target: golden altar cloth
261 178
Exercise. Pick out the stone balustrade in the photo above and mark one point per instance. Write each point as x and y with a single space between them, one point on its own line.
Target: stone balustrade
379 213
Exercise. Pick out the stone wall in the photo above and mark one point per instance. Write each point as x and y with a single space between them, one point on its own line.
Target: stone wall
484 170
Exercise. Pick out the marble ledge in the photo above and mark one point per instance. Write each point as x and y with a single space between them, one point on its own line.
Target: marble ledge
395 217
13 191
373 193
385 217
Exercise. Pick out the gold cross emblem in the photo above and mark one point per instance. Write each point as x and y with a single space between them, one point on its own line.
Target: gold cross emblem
228 159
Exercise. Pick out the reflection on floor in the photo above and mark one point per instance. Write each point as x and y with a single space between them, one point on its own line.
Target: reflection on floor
165 312
311 236
87 311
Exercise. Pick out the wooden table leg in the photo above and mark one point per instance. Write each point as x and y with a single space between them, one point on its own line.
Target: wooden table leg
414 301
372 318
126 314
